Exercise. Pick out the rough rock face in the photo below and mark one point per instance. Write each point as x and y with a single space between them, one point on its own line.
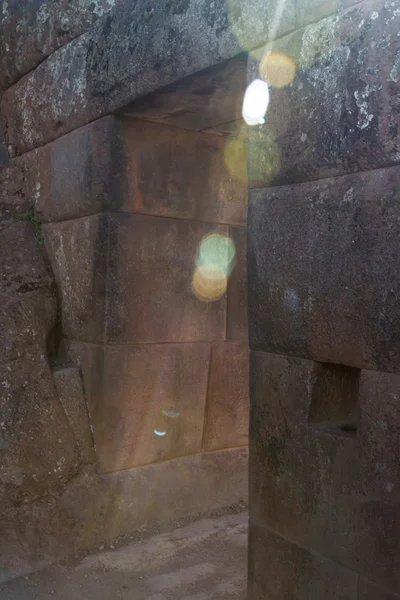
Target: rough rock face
33 29
38 451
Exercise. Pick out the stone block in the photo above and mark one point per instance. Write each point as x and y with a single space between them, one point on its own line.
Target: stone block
144 267
79 174
78 251
368 590
146 402
200 102
32 29
110 165
227 417
129 53
70 391
236 318
322 262
175 173
38 452
340 114
315 484
93 509
281 570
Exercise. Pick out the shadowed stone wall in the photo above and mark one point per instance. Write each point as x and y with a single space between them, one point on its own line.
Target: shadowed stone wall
105 341
324 235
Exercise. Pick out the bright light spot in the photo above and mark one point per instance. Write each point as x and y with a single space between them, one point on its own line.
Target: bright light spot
172 414
255 102
214 263
216 251
277 69
235 155
209 283
160 433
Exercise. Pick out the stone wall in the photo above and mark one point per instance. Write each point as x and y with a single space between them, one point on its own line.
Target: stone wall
105 341
324 315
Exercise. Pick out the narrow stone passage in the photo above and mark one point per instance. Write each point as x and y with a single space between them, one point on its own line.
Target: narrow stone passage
205 560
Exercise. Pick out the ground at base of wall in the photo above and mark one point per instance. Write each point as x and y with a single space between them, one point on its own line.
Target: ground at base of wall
204 560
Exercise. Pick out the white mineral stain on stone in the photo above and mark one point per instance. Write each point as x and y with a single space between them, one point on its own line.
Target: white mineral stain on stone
364 118
374 15
349 195
395 69
318 38
303 137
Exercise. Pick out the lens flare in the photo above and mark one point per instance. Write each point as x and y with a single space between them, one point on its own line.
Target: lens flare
217 251
159 433
171 414
209 283
235 154
277 69
255 102
214 263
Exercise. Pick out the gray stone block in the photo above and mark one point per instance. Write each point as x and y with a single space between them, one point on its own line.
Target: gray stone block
281 570
323 274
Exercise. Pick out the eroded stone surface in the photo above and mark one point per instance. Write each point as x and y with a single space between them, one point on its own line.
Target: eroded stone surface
33 29
38 453
341 113
144 49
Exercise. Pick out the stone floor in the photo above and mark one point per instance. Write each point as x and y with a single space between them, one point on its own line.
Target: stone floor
205 560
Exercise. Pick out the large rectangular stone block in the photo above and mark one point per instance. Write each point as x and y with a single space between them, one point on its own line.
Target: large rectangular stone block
128 279
146 402
328 484
281 570
323 273
341 112
227 417
126 165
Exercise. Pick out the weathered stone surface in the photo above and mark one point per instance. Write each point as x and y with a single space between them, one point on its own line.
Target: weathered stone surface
94 509
78 175
129 53
341 114
135 391
33 29
236 325
111 165
330 489
37 449
367 590
312 243
227 417
78 252
70 391
280 570
144 267
38 452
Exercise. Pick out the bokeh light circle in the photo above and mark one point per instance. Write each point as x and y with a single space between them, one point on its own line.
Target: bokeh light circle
277 69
